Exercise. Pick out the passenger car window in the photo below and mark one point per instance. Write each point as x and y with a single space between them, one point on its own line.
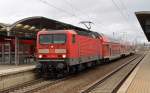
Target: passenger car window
73 39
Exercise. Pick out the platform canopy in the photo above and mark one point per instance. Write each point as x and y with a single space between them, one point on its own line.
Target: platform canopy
2 25
42 22
3 29
28 27
144 20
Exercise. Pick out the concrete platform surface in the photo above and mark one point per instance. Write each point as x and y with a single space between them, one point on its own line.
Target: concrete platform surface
10 69
139 80
11 75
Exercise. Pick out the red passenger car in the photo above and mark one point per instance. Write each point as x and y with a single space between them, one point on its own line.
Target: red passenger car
111 49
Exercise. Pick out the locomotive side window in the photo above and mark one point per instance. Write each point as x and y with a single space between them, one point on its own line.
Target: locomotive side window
73 39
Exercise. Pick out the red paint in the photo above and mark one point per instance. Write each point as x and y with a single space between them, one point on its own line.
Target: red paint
83 47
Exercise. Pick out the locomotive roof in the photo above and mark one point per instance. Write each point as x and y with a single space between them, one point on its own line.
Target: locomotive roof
107 38
56 31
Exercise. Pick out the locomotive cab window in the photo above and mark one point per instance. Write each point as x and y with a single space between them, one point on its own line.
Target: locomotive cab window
52 38
73 38
45 39
59 38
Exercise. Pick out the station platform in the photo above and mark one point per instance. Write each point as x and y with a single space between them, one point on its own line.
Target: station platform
11 75
8 69
139 79
5 67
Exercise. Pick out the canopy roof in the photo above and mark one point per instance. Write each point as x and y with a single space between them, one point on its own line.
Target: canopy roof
31 25
144 20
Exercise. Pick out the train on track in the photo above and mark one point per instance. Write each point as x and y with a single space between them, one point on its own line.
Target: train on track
60 52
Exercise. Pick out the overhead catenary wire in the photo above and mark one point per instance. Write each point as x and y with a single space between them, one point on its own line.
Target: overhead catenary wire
74 13
126 19
62 10
59 9
68 3
127 12
124 13
128 16
66 12
124 6
120 11
125 16
75 9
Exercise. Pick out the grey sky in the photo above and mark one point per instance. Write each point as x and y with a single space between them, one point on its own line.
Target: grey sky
107 17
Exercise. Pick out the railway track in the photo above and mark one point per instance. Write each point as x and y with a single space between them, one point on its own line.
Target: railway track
40 84
21 86
78 82
33 86
111 82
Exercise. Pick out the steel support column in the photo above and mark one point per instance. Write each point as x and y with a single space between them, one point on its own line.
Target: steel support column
9 53
16 51
3 54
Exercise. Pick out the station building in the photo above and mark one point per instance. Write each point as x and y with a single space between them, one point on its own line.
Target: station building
18 40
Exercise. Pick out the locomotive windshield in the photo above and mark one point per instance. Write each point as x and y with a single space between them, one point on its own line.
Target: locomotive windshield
52 38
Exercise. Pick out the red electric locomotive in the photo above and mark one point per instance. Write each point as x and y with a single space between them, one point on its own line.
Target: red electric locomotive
63 51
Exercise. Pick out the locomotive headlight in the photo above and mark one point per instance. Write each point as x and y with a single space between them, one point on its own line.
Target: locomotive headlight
40 56
64 56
